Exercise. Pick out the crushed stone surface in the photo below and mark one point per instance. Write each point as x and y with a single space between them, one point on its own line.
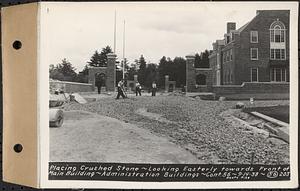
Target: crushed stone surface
197 125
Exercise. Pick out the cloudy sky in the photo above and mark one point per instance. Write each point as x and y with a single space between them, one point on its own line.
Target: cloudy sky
75 30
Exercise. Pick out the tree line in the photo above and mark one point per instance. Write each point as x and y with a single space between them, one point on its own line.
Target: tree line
147 72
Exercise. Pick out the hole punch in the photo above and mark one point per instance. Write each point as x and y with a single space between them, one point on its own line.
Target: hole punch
18 148
17 44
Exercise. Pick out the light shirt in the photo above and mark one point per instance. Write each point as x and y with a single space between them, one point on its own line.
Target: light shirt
120 84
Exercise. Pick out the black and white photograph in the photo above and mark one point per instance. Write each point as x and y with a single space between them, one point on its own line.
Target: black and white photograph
169 84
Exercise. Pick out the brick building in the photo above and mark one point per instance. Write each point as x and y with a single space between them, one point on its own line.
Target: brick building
256 52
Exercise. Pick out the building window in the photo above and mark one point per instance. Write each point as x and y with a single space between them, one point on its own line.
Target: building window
226 77
254 37
227 39
230 54
277 54
278 75
254 53
254 74
227 56
282 52
277 32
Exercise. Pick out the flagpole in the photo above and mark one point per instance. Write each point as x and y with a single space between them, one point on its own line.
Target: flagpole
115 29
124 51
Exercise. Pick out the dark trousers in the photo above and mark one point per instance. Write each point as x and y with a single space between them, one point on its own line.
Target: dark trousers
138 91
120 93
153 91
99 89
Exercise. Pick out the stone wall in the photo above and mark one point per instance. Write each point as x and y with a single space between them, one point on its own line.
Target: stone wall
253 88
69 87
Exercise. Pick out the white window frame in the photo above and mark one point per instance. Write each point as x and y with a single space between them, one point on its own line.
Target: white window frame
284 54
251 58
280 27
275 80
256 75
228 56
252 33
274 51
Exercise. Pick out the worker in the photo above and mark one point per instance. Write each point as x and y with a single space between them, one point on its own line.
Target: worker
121 91
138 89
98 84
153 88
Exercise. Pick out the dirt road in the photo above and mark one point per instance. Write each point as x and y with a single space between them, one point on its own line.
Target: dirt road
88 137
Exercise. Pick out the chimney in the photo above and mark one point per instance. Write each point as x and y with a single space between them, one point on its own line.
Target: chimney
230 26
214 46
258 11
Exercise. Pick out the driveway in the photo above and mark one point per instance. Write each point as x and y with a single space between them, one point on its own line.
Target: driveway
88 137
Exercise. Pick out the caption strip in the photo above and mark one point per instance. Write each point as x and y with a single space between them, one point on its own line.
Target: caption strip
166 172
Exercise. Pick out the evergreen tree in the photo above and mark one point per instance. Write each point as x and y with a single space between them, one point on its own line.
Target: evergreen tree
132 70
197 61
151 74
142 70
162 70
180 71
82 76
100 59
95 60
205 59
202 60
63 71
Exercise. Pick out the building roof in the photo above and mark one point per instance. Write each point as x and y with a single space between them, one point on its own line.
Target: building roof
257 13
243 27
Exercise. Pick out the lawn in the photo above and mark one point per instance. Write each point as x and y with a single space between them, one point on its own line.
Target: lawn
280 112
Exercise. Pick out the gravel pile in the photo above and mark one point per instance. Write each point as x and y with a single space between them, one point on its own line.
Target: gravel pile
199 127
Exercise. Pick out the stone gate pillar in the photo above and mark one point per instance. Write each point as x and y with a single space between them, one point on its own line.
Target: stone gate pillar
190 73
111 72
92 77
166 83
209 81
